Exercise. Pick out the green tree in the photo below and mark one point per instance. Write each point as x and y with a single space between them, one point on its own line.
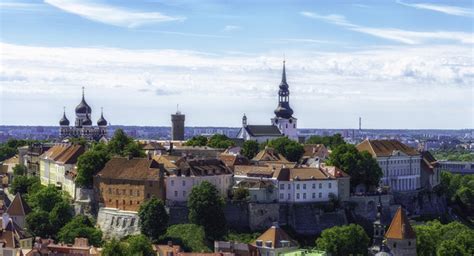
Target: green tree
140 245
118 142
61 214
23 184
37 222
206 208
434 238
115 248
361 166
220 141
153 218
197 141
328 141
192 237
241 194
46 198
133 149
290 149
19 170
344 240
88 164
80 226
250 149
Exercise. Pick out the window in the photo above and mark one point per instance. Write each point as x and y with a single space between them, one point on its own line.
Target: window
289 186
172 182
131 191
288 196
281 195
297 195
138 202
304 186
297 186
184 193
150 183
184 183
394 245
320 195
148 195
314 195
409 243
304 195
131 202
132 223
320 185
110 190
123 191
314 185
175 193
330 185
282 186
138 192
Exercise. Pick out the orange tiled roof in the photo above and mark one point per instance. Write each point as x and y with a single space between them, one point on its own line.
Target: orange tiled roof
378 148
400 227
275 234
64 153
270 155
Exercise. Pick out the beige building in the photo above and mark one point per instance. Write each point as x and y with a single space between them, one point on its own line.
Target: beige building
125 183
400 164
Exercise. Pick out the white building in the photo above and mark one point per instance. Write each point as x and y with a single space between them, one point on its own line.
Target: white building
188 174
283 124
303 185
401 164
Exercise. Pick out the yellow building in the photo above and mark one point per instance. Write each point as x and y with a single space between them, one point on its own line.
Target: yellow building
58 167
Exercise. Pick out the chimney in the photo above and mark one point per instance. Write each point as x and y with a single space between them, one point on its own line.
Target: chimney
171 148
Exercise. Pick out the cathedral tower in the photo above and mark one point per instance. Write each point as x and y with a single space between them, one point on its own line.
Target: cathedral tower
284 119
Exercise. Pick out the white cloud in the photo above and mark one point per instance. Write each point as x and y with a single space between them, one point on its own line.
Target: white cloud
398 35
110 14
143 86
229 28
446 9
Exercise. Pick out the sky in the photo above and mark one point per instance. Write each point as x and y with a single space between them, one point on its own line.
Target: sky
397 64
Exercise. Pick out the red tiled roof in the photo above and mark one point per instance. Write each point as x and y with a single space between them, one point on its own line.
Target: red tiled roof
131 169
18 206
400 227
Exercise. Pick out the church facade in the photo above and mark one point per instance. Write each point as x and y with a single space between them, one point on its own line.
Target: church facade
83 127
282 125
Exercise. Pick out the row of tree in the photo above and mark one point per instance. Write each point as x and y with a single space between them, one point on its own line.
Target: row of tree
215 141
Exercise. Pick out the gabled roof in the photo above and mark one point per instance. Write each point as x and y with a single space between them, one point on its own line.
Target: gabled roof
276 235
270 155
254 170
64 153
18 206
315 150
11 235
400 227
131 169
230 159
153 146
382 148
263 130
203 167
168 161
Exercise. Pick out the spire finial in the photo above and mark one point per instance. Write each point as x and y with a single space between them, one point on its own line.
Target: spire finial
83 92
64 110
102 111
283 75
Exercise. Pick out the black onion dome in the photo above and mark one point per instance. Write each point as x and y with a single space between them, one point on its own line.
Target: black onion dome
64 120
87 121
83 107
283 111
102 121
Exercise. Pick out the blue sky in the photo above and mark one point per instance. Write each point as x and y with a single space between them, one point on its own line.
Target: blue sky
398 64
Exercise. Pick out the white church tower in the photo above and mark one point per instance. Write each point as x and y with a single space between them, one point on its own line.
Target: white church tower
284 119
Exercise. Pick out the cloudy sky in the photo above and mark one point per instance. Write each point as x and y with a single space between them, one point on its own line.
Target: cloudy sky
397 64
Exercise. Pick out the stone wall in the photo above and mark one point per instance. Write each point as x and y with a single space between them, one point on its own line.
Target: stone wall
261 216
310 219
421 202
117 223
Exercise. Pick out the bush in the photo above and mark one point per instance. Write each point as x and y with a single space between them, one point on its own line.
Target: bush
192 237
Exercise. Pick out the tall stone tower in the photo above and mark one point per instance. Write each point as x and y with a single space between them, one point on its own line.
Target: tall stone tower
400 237
177 126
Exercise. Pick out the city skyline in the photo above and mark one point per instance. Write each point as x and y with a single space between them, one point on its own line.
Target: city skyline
219 61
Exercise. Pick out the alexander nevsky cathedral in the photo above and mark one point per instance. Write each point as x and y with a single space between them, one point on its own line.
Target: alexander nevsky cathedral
83 127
